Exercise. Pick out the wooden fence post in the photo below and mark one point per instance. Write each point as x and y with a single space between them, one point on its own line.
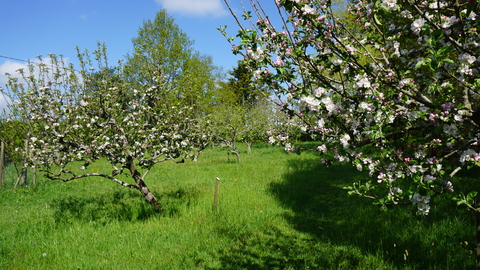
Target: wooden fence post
215 195
24 170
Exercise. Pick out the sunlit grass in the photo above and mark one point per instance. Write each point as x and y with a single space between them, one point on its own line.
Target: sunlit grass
276 211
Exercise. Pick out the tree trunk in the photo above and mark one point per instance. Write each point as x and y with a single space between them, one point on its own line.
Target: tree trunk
249 147
199 151
235 151
142 187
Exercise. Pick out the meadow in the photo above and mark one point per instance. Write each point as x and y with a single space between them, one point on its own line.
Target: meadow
276 211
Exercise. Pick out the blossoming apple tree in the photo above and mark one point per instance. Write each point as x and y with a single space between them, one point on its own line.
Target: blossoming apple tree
403 81
71 126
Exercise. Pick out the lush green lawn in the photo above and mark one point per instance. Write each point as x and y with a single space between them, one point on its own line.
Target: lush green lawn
276 211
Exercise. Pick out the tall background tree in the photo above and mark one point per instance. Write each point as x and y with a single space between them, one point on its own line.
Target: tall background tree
162 47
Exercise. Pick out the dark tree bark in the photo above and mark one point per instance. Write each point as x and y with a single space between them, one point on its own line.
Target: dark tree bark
142 187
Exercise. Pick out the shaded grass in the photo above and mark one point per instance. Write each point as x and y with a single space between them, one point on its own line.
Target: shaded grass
277 211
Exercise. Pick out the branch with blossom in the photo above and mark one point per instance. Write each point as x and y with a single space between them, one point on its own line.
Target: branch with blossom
403 83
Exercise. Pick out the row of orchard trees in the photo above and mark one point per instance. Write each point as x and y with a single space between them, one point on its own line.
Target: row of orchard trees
164 102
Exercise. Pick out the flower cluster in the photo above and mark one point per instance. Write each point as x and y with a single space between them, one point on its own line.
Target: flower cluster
422 203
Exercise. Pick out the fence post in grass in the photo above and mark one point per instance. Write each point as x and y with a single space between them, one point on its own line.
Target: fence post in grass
23 173
215 195
2 163
477 218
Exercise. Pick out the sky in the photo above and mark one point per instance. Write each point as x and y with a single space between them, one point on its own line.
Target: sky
38 27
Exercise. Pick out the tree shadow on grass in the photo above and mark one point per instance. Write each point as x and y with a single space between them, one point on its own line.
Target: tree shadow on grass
332 230
120 205
321 207
101 209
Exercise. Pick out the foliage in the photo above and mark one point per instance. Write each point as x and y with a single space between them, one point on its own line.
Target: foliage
258 119
161 47
241 88
69 122
13 133
240 94
408 86
228 124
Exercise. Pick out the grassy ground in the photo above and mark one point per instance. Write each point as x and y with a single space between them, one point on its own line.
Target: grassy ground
276 211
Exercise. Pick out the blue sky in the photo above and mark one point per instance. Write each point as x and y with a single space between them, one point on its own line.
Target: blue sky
39 27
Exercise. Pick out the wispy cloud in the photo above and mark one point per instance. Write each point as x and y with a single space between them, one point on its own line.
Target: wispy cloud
10 67
195 7
4 102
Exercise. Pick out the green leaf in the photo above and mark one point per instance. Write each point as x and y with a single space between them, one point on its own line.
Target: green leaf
424 61
447 60
377 20
438 35
433 65
471 196
442 52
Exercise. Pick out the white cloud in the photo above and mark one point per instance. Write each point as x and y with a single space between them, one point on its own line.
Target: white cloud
10 67
194 7
4 101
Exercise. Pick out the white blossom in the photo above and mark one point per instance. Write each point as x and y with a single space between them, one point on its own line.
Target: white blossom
257 74
450 130
450 21
417 25
344 140
389 4
322 148
328 104
466 59
362 81
310 102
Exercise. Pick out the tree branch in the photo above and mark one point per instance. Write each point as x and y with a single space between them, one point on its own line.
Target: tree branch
118 181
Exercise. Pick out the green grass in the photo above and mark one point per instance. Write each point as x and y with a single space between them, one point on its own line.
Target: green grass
276 211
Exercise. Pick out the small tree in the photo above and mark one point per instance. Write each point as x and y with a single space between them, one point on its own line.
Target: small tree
228 126
70 129
258 120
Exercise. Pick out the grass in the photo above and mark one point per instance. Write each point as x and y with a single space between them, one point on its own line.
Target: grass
276 211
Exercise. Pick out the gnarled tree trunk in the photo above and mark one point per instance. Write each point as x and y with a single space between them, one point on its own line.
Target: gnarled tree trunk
142 187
